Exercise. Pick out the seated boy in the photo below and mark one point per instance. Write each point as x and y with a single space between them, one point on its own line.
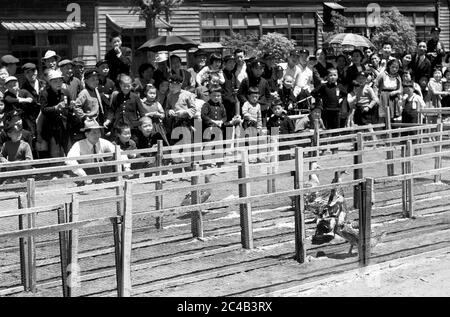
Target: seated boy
15 149
280 123
307 123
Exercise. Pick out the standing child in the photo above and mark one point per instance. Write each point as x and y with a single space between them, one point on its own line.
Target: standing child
286 94
214 114
279 122
435 86
123 139
126 106
362 101
411 104
331 95
251 111
154 110
89 99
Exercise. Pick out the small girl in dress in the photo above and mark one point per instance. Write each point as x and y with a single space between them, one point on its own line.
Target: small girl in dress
155 111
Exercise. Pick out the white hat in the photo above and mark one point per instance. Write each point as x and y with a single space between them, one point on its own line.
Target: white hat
54 74
161 57
10 78
50 54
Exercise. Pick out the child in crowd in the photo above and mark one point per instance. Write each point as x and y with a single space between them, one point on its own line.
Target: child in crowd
307 123
411 104
446 88
362 100
126 106
214 114
279 122
153 109
251 111
15 149
388 86
123 139
2 115
435 86
16 101
426 95
286 95
106 87
214 67
331 95
407 79
89 99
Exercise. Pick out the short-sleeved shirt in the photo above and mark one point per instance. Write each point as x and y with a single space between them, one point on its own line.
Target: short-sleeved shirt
16 151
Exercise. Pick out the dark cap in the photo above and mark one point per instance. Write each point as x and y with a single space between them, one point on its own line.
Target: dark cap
257 63
101 62
229 58
303 51
15 125
9 59
436 28
29 66
78 62
89 73
65 62
200 53
295 53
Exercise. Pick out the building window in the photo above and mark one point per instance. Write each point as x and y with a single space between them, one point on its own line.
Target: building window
423 33
304 37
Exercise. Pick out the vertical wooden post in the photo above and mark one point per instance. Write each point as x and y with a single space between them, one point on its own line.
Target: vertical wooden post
245 208
404 189
196 215
126 241
118 255
365 215
316 136
300 235
23 247
410 182
74 277
438 149
357 173
119 178
63 245
389 154
159 185
275 159
31 202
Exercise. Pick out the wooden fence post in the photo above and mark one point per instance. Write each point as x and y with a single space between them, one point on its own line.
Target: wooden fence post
410 182
159 202
438 149
23 248
357 173
74 277
63 249
389 154
365 215
316 136
119 178
299 214
31 202
404 188
126 241
245 208
196 215
118 254
273 160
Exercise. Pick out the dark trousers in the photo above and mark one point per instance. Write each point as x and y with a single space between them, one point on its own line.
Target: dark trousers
331 119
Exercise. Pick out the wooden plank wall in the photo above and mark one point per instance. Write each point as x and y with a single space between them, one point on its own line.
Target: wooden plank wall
444 20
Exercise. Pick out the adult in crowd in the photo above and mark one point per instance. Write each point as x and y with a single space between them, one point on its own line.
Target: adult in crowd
435 49
388 85
375 65
175 69
355 69
119 58
51 60
255 79
321 67
146 72
386 53
304 83
341 66
71 85
406 63
230 87
91 145
420 64
33 86
162 69
10 62
241 66
200 58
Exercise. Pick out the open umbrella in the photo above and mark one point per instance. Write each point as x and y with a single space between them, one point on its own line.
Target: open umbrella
350 39
168 43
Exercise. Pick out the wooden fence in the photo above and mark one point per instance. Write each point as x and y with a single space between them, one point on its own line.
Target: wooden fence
363 187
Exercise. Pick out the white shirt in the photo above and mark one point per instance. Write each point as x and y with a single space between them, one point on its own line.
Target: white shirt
304 80
241 73
84 147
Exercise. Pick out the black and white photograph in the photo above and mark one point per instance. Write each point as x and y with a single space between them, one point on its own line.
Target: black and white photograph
224 154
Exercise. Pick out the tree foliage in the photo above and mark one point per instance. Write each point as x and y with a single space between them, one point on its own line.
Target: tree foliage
150 9
395 28
340 23
248 43
276 44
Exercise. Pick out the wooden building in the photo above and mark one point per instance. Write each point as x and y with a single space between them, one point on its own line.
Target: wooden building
81 28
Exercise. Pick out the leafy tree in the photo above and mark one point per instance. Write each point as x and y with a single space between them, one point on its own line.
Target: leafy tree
277 44
395 28
339 22
150 9
248 43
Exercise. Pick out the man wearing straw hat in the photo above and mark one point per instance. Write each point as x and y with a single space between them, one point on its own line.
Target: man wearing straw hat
93 144
51 60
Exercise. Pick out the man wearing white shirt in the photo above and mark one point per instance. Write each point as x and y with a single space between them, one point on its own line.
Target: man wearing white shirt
292 69
93 144
241 66
305 75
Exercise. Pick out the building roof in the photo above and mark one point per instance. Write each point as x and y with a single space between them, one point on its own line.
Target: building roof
333 5
121 22
41 26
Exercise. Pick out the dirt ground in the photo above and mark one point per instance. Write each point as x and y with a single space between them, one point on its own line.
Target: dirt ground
425 276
